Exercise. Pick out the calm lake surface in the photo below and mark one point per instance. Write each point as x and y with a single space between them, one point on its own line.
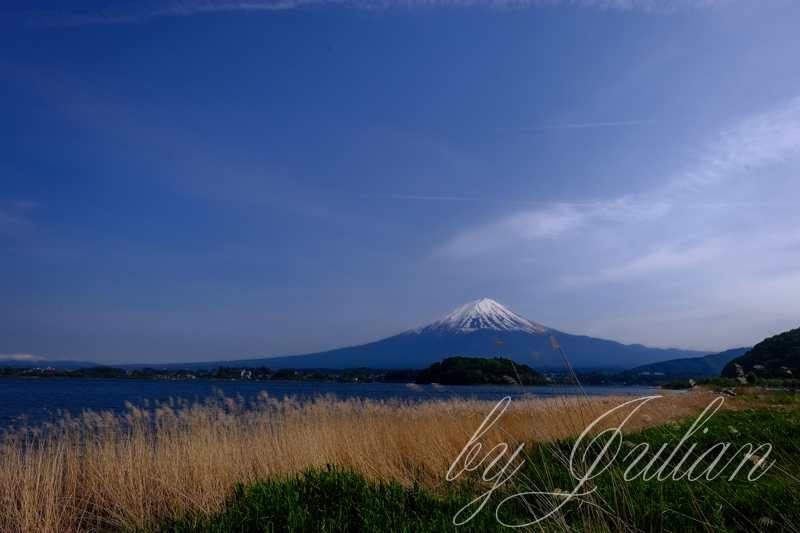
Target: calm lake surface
39 399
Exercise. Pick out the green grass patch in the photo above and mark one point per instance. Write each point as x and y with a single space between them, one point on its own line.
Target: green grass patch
333 500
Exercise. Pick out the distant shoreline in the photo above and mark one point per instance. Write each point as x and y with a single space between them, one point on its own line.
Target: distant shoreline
217 380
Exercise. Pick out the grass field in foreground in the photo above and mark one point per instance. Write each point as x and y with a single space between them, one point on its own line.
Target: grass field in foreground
106 471
335 500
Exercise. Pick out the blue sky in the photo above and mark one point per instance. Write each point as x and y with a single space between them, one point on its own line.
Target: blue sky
195 181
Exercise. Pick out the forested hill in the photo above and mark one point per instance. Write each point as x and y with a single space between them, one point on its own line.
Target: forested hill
479 371
779 356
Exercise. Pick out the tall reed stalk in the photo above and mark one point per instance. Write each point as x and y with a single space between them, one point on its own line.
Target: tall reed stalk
103 471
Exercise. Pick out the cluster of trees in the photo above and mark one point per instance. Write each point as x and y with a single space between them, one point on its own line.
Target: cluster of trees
479 371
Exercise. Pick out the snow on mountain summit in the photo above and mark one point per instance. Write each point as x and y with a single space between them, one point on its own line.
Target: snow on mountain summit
478 314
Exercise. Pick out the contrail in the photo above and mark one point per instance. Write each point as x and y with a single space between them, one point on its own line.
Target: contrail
567 126
737 204
562 204
461 199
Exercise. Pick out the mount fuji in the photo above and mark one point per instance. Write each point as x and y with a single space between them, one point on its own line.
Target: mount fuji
473 330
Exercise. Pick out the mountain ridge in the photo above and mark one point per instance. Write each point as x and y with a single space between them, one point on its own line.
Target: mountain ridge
480 328
472 330
708 366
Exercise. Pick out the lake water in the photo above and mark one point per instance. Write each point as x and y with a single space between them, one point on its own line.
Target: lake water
39 399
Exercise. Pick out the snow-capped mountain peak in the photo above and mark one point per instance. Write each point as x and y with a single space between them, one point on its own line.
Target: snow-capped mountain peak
478 314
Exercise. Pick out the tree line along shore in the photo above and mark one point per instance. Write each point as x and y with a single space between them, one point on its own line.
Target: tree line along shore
773 363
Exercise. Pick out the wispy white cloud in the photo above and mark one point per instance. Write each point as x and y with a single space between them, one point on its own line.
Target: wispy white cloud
133 12
758 141
652 262
551 221
541 223
755 142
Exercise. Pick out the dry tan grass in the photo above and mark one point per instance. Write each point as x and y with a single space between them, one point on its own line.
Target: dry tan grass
103 471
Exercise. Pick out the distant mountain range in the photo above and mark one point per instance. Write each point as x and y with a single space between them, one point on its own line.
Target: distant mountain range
471 330
707 366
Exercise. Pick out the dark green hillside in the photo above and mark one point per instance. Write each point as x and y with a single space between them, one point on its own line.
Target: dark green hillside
774 354
479 371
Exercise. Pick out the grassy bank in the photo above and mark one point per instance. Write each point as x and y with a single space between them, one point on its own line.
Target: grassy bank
106 471
333 500
340 501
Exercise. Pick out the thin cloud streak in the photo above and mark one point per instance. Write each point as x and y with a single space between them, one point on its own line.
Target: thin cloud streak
756 142
642 205
147 139
12 216
459 199
732 204
565 126
765 139
132 13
